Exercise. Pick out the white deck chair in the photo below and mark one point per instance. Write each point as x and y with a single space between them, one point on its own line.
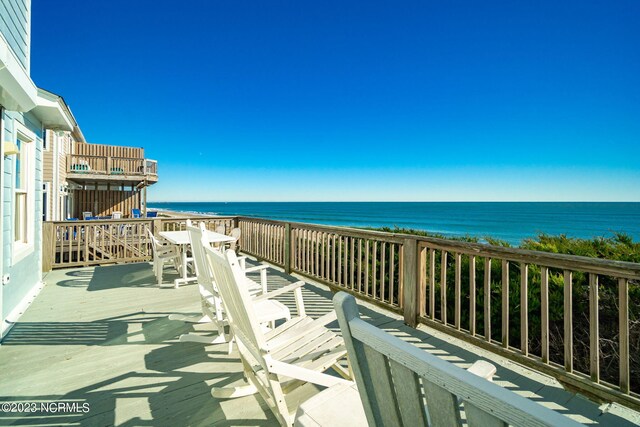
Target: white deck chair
395 379
221 229
279 361
261 268
162 254
235 233
268 310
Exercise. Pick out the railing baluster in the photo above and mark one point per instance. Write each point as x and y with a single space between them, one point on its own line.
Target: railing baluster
374 259
359 265
505 303
79 241
472 295
296 248
367 265
382 270
432 283
327 257
623 297
333 258
392 259
422 280
544 313
487 299
443 287
309 241
568 321
340 260
594 329
345 257
321 266
457 290
72 237
316 249
353 255
524 308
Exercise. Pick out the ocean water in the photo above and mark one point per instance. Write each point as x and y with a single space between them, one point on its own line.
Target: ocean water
509 221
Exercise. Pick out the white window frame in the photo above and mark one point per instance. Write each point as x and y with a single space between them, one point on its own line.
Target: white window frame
25 245
46 142
47 198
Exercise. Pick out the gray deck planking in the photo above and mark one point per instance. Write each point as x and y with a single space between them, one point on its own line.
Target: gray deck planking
101 335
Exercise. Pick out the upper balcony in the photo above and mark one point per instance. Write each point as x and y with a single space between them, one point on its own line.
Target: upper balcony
111 163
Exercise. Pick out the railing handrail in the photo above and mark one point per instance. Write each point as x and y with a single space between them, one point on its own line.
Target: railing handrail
107 161
95 156
98 221
629 270
358 232
85 155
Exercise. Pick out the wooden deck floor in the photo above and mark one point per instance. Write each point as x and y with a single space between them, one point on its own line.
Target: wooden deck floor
101 336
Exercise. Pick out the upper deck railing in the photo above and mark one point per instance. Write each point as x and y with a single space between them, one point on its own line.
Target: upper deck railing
115 167
567 316
111 161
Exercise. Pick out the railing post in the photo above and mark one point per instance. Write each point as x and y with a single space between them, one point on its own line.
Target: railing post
157 226
287 248
410 278
48 245
108 166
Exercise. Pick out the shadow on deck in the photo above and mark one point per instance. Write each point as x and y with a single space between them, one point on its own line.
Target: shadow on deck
102 336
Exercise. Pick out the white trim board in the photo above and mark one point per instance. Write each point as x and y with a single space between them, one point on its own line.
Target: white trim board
19 310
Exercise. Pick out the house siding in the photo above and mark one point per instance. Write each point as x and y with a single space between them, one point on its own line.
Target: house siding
48 157
14 26
26 273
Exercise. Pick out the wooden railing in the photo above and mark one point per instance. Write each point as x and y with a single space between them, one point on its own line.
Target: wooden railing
109 165
151 167
567 316
360 261
176 224
82 243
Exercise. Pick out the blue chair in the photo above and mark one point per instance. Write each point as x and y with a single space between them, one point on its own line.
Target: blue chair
75 229
153 214
135 213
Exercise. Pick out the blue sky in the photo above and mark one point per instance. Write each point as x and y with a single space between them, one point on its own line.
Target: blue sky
334 100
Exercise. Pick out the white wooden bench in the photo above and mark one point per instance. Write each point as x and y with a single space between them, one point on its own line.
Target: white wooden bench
395 379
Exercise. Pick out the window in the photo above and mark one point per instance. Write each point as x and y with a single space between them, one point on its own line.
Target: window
45 201
21 192
24 192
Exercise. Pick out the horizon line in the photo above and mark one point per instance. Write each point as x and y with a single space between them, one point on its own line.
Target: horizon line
399 201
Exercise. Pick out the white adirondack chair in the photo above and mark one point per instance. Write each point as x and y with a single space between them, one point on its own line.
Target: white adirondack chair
235 233
162 254
261 268
268 310
279 361
395 378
